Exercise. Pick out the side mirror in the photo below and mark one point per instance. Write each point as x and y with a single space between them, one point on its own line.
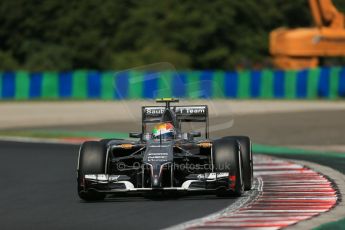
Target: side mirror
195 134
135 135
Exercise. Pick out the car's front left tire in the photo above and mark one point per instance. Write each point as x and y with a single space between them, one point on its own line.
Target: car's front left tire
227 157
247 158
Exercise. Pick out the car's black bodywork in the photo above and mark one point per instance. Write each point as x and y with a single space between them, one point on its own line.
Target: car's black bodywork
184 163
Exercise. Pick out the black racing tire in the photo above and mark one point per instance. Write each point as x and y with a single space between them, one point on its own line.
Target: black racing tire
106 141
247 158
92 160
227 157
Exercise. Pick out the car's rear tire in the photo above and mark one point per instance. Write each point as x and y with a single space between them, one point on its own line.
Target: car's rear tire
92 160
247 158
227 158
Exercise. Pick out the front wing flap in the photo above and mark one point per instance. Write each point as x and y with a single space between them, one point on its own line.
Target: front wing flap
194 182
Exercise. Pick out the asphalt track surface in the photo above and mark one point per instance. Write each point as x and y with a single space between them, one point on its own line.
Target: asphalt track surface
39 192
40 186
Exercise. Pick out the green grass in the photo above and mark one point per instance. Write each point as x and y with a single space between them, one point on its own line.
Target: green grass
276 150
63 134
336 225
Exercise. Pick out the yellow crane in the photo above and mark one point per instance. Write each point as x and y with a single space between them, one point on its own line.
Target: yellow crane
302 47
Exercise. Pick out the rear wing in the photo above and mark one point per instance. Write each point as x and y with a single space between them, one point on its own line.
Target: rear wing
194 113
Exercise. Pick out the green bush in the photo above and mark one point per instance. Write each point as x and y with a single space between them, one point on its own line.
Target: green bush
117 34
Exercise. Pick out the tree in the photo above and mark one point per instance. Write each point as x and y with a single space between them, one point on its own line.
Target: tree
115 34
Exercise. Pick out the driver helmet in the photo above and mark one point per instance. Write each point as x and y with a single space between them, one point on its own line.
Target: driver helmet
165 130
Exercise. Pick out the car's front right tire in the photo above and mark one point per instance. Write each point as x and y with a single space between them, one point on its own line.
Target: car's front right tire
92 160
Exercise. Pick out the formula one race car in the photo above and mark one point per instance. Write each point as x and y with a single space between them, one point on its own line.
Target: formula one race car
166 159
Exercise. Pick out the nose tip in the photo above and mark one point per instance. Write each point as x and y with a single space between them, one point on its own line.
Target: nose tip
155 182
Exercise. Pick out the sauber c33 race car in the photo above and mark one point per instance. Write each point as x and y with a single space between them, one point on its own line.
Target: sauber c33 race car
166 159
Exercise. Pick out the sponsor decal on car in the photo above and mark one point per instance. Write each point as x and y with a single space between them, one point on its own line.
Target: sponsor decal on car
192 110
154 110
157 157
212 175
